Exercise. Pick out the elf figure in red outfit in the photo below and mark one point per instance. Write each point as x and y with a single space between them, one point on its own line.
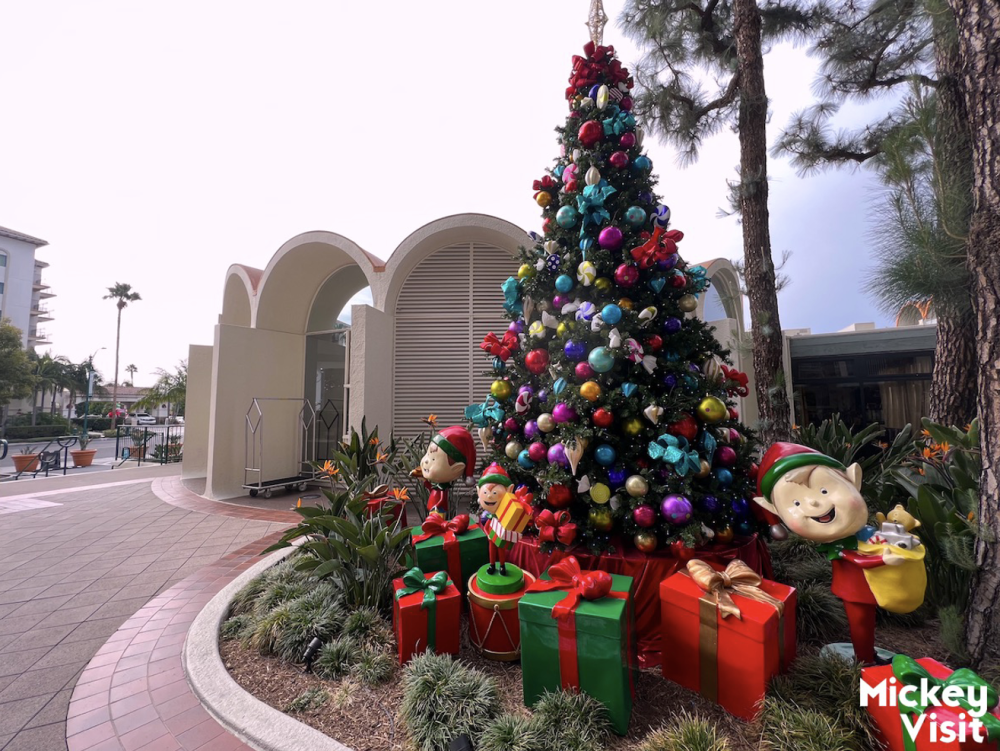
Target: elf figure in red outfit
819 499
450 454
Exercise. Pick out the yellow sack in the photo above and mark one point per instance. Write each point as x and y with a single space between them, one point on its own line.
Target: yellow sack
900 588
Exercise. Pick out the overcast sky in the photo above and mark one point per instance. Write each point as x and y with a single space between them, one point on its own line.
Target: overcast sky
158 143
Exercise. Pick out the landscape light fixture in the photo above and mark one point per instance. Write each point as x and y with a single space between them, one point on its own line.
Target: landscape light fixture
461 743
310 654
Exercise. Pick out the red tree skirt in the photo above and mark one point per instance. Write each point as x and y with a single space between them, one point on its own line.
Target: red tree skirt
648 570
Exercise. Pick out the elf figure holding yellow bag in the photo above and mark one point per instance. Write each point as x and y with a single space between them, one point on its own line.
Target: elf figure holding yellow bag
819 499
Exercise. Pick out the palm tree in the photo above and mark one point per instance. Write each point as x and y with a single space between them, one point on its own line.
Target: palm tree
131 370
170 388
122 294
45 371
60 379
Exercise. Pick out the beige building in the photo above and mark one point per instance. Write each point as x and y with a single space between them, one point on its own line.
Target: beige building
288 338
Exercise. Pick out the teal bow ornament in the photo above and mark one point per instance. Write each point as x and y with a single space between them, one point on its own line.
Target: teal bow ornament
618 123
414 581
483 414
671 355
674 450
699 278
910 672
590 204
708 444
512 296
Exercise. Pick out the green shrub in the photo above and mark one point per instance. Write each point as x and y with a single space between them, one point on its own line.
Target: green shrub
36 433
236 627
574 722
42 418
311 698
374 666
787 727
686 732
246 598
313 615
953 634
443 699
267 629
368 628
336 659
277 593
819 614
94 423
513 733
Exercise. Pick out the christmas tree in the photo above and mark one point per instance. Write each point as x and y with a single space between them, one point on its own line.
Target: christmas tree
610 401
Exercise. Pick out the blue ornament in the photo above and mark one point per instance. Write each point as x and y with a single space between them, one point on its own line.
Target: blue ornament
657 284
642 164
645 197
559 386
670 380
567 217
552 263
724 476
690 382
558 170
635 216
593 91
535 237
524 461
611 314
605 455
745 528
601 359
499 365
616 476
586 243
710 503
628 389
740 507
661 216
575 350
586 311
672 325
564 282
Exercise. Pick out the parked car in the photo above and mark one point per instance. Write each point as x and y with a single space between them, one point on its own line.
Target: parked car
144 418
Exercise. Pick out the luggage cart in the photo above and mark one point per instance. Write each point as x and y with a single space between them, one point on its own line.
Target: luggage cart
255 469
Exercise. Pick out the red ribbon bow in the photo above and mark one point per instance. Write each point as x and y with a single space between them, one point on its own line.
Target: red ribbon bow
657 248
546 183
742 387
555 527
501 348
567 575
435 524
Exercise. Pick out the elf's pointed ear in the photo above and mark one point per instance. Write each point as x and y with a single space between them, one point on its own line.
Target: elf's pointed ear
854 475
458 468
762 501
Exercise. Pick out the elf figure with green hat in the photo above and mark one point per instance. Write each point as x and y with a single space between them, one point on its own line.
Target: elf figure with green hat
819 499
450 454
492 487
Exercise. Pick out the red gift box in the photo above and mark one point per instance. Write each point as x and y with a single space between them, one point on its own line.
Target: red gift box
931 735
424 619
727 657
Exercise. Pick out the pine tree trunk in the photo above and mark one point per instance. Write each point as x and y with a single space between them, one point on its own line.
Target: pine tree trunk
768 360
953 384
979 46
114 389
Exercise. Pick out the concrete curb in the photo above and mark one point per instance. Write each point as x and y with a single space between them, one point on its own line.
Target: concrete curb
251 720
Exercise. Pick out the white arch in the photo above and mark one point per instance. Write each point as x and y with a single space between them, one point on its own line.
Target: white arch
726 282
239 295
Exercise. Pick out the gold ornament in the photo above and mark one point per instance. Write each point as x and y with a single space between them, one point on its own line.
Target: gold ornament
546 423
636 486
501 390
645 542
601 519
704 471
527 271
712 410
687 303
543 198
724 535
625 303
603 284
537 329
513 449
712 368
600 493
591 391
632 426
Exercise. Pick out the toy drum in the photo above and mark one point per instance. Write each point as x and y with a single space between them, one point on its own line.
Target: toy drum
494 628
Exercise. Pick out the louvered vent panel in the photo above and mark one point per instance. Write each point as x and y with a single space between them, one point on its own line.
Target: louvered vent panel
491 266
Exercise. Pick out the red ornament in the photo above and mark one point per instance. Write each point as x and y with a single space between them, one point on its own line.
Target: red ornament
681 551
642 463
537 361
687 427
619 159
546 225
734 414
603 418
678 281
644 516
571 186
559 496
590 133
752 472
654 342
626 104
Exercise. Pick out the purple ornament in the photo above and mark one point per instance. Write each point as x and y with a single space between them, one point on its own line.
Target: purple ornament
741 507
510 425
710 503
670 380
611 238
618 159
558 301
583 371
672 325
531 429
557 455
616 476
726 456
693 368
646 197
575 350
537 451
627 141
644 516
526 389
677 509
563 413
543 396
667 263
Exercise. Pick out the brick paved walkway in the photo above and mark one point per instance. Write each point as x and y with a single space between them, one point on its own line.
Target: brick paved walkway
74 566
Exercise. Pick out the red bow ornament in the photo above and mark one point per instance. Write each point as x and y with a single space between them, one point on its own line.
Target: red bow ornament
577 583
555 527
546 183
502 348
657 248
741 387
435 524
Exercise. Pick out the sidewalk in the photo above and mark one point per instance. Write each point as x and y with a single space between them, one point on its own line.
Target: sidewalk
78 556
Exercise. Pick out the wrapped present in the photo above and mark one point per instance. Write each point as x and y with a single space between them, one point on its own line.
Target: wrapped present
514 511
726 633
938 713
451 545
426 614
577 634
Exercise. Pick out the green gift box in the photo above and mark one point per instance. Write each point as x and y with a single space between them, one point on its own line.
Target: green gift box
451 545
577 633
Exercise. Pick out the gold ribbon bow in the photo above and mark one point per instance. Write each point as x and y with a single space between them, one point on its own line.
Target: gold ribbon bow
737 578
